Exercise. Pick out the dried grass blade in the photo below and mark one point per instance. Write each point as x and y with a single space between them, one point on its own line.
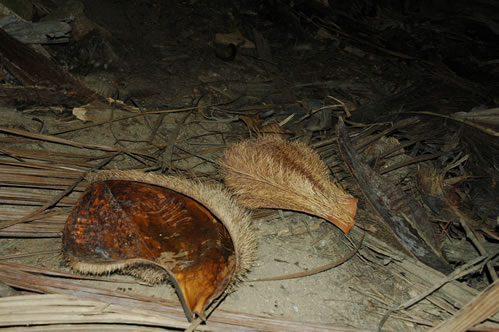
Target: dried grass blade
21 197
8 170
46 272
66 309
39 182
25 181
57 166
55 200
47 224
54 139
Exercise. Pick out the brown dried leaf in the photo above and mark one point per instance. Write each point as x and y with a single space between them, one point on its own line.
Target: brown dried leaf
235 37
253 123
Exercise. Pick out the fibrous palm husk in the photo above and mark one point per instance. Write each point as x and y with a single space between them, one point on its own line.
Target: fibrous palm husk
161 228
269 172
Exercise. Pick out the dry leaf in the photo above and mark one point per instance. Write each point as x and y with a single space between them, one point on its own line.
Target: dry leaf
275 129
81 114
252 122
235 38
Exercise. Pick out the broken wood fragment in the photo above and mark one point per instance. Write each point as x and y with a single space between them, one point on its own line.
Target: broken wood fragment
47 32
42 82
406 217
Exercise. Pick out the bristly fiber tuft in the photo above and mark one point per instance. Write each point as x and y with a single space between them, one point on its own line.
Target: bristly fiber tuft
269 172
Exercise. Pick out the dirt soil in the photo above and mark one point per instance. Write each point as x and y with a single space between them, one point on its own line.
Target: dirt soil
162 55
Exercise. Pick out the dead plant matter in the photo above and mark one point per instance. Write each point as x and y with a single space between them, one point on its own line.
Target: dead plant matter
158 228
270 172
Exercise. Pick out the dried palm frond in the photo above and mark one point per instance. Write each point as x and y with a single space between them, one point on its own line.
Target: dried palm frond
269 172
89 304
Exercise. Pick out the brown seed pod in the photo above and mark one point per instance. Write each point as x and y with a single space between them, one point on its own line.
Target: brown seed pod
270 172
159 228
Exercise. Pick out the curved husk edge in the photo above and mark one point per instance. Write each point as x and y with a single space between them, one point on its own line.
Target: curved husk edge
213 196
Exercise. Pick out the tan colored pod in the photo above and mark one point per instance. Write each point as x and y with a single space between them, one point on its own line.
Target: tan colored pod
270 172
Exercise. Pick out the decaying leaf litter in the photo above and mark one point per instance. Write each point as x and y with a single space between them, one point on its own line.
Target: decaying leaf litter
46 154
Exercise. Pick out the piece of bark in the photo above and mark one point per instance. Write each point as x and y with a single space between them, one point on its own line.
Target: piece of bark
22 97
405 216
48 32
34 70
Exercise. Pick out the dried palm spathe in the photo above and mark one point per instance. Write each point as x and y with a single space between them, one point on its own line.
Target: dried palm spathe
161 228
269 172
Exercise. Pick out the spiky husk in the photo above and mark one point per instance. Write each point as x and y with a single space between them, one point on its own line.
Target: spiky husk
269 172
213 196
